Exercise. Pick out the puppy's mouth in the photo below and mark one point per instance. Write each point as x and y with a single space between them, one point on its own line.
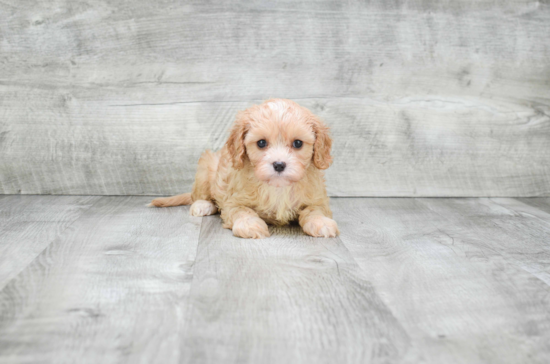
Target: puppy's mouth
279 180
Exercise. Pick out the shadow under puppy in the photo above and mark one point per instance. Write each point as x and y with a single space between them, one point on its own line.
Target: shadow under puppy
269 171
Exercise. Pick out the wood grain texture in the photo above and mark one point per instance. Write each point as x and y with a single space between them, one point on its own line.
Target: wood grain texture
409 281
518 232
287 299
455 273
424 98
28 224
111 289
540 203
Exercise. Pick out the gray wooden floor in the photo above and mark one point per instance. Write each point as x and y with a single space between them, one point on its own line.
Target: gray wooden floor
107 280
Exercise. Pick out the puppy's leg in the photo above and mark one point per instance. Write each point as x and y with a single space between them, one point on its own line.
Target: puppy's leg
316 221
206 172
202 195
203 208
208 164
245 223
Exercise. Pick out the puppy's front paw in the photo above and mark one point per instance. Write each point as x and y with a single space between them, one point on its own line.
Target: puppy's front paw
202 208
250 227
321 227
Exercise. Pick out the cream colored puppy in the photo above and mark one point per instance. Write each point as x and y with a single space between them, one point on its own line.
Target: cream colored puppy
268 172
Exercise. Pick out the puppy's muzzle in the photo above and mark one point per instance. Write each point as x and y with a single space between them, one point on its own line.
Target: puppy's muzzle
279 166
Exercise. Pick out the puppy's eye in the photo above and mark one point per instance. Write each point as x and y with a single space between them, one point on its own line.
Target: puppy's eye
261 143
297 144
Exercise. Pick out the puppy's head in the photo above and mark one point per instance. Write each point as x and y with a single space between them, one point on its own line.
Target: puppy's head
280 139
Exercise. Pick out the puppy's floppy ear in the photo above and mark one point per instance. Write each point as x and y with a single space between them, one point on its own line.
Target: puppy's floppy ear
235 143
323 143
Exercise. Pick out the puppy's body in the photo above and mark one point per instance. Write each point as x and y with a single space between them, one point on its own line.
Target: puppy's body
241 180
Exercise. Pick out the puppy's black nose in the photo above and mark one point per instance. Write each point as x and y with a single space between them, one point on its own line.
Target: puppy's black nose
279 166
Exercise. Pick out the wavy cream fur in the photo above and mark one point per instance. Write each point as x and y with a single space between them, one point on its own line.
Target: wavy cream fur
241 182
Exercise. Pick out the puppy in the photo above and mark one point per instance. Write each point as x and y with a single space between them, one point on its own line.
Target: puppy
268 172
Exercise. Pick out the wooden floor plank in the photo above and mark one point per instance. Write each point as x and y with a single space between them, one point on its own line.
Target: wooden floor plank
287 299
28 224
519 232
408 281
542 203
109 289
460 299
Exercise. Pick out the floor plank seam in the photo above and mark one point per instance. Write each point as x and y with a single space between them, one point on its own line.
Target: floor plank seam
50 243
496 252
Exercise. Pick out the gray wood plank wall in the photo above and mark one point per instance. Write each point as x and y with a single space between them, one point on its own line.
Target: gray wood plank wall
424 98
